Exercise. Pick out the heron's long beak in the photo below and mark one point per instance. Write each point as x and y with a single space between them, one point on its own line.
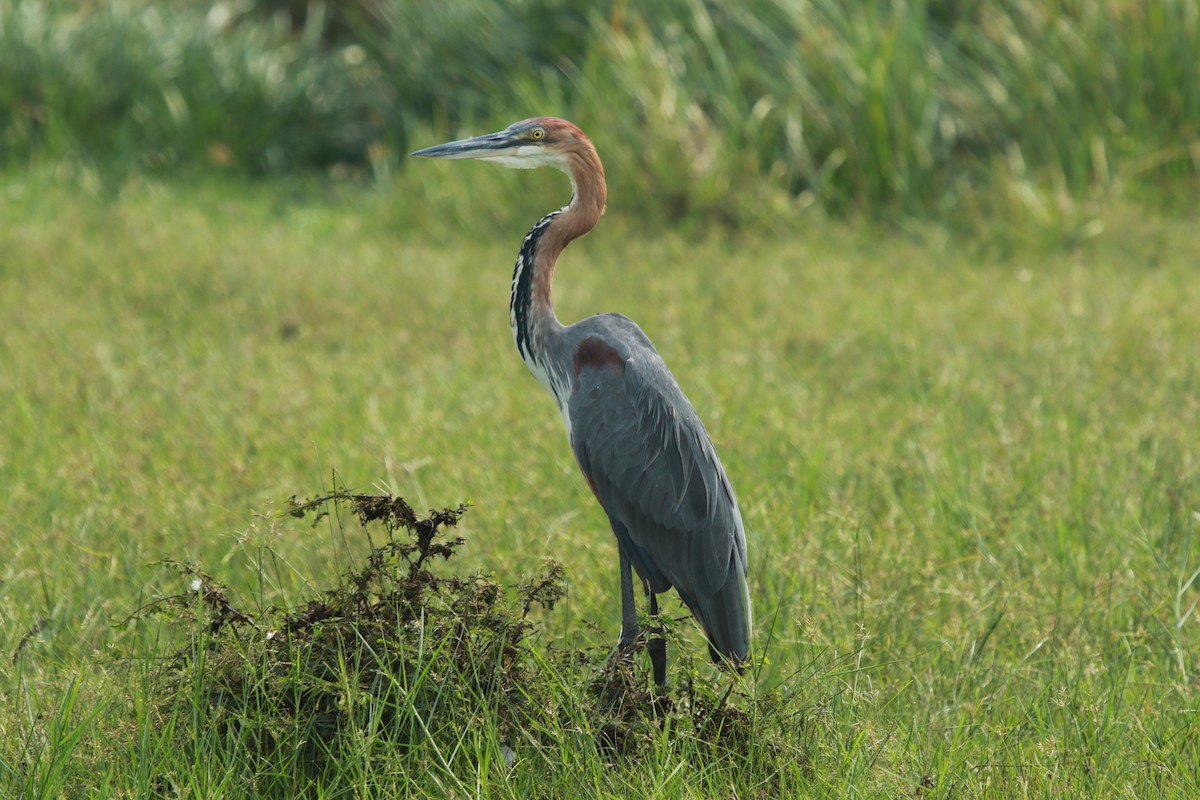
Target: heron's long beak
490 145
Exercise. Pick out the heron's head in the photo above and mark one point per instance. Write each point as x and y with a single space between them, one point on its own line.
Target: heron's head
537 142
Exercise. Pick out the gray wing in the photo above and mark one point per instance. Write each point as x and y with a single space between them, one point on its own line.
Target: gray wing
653 467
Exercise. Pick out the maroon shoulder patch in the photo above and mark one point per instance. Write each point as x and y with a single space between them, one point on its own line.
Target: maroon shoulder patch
594 352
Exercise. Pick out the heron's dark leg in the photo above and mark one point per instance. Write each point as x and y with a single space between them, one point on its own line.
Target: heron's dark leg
657 646
629 624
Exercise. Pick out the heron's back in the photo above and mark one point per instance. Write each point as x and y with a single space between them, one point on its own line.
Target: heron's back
655 471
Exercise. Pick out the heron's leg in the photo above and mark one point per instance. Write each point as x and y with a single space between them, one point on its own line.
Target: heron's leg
629 624
657 646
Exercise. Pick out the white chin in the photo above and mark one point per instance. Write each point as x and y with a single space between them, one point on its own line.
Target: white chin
529 157
515 162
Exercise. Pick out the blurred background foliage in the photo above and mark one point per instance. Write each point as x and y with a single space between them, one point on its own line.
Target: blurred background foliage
718 111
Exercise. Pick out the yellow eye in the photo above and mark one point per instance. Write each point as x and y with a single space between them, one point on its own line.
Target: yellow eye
537 133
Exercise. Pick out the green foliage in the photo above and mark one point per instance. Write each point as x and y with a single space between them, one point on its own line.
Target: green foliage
738 113
133 85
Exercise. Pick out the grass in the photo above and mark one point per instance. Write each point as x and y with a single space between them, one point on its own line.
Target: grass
1028 110
968 470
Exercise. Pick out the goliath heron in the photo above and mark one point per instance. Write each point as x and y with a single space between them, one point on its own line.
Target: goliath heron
641 446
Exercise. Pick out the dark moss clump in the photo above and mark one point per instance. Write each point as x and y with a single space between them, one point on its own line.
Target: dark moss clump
394 646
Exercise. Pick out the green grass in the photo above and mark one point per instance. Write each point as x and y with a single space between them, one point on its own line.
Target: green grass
1030 110
969 476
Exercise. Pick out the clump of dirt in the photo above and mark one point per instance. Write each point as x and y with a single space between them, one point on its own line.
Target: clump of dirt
402 647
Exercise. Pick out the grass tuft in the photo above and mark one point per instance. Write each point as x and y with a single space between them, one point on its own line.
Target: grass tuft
405 665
